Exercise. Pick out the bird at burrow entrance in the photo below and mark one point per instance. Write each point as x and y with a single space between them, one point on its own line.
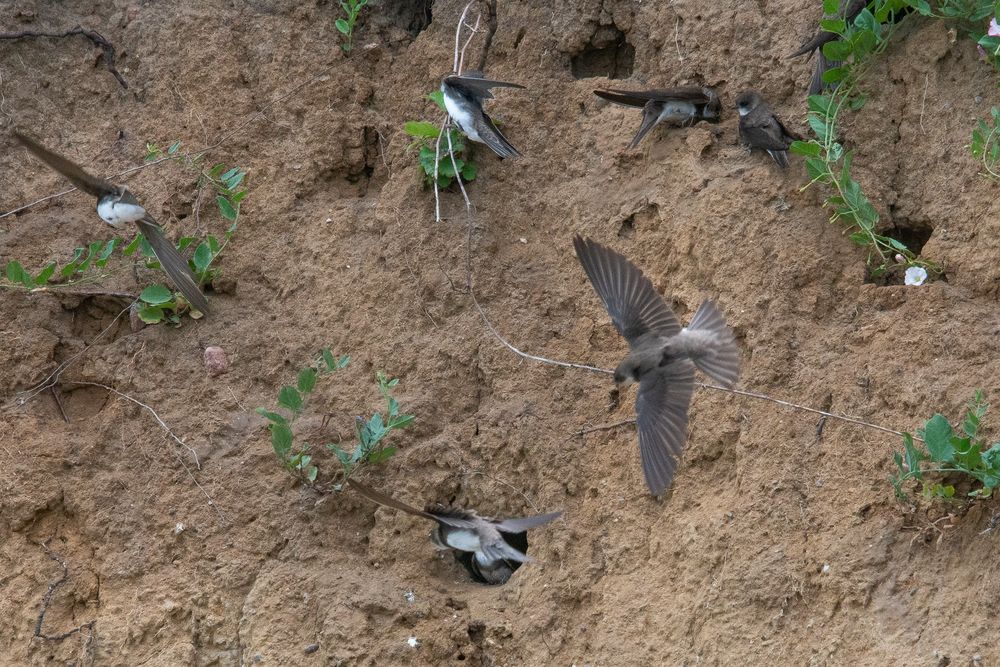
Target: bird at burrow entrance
681 106
117 206
761 128
662 357
463 99
489 549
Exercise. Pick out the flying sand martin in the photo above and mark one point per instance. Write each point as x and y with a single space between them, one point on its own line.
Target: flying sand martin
489 549
117 207
662 355
463 98
816 85
677 106
760 128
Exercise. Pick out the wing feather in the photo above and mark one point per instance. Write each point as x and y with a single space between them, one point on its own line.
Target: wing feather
662 416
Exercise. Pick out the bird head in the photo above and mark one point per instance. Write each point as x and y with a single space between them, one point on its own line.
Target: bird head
627 372
748 101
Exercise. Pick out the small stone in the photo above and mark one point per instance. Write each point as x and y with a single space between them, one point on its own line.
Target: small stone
216 362
413 642
312 648
179 528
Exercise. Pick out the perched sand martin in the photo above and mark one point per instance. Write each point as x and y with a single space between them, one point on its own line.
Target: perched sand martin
118 207
760 128
662 355
463 98
677 106
490 550
816 85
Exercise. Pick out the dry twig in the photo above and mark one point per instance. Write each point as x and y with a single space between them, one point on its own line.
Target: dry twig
48 598
98 40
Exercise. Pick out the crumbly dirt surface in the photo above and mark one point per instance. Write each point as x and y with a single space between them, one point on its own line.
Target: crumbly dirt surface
776 546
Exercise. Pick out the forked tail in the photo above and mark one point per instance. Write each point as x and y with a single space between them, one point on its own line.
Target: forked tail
722 364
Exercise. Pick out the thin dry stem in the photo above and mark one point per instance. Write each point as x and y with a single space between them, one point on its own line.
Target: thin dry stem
458 33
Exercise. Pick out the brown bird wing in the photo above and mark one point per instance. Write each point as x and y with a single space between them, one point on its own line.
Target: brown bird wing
639 98
662 414
92 185
388 501
493 137
635 306
525 523
477 86
171 260
761 128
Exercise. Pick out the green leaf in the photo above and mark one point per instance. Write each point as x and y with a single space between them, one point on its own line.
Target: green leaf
174 147
922 6
343 26
225 208
311 473
898 245
421 128
272 416
469 171
865 21
834 74
130 248
344 457
913 457
328 359
17 274
807 148
234 181
202 257
437 97
46 273
289 397
820 104
816 168
151 314
401 421
837 50
381 455
831 7
838 26
229 174
343 361
281 439
937 437
307 380
216 171
156 295
819 128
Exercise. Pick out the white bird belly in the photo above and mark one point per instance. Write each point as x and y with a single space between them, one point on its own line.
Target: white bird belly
117 213
462 117
463 540
678 111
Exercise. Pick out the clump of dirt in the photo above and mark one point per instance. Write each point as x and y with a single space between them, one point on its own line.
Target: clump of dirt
776 545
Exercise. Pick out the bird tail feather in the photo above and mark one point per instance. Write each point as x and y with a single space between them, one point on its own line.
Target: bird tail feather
723 363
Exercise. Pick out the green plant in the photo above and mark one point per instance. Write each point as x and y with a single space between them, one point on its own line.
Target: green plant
946 451
435 155
293 399
346 26
827 160
985 144
370 433
82 269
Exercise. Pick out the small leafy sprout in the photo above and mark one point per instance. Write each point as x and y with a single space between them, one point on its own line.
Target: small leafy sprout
370 433
948 451
292 400
986 144
352 8
81 269
425 139
157 305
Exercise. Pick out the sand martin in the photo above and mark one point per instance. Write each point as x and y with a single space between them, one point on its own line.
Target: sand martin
463 98
489 549
760 128
117 207
676 106
662 355
816 85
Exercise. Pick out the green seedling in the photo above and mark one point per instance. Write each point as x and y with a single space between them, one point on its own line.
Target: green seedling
352 8
370 433
947 449
83 268
985 144
440 154
292 400
827 161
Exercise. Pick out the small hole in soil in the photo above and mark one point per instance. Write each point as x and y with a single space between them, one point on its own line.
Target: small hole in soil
608 54
627 230
914 235
412 16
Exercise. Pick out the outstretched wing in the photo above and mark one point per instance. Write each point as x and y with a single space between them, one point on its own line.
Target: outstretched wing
635 306
388 501
525 523
662 415
88 183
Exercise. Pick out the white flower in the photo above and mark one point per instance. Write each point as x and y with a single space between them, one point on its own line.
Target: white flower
994 30
413 642
915 275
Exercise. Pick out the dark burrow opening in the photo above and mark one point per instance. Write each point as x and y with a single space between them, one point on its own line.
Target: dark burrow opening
608 54
913 235
413 16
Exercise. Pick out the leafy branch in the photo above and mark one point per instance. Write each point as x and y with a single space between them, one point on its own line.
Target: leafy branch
948 451
435 150
370 433
352 8
985 144
827 160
